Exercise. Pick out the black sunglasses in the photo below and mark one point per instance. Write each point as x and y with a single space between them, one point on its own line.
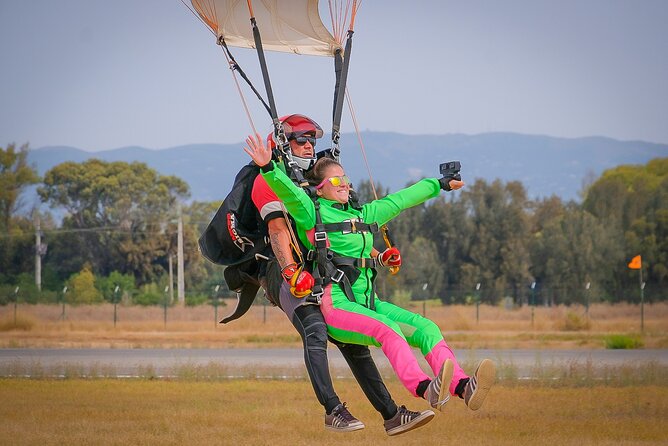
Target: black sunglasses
301 140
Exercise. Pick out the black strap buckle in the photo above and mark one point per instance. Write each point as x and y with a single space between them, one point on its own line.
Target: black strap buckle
316 295
337 276
320 236
350 226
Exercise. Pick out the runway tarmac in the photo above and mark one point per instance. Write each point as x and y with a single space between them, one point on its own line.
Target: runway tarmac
166 362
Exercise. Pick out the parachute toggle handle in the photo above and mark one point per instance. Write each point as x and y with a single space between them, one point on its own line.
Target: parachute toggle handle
389 243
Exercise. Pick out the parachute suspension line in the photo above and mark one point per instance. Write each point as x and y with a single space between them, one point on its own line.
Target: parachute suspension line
279 132
210 21
338 18
359 139
234 67
387 238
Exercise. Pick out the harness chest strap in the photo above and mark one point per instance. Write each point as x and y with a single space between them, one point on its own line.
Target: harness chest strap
326 263
352 226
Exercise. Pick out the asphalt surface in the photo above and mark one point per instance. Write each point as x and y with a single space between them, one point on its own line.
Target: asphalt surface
286 362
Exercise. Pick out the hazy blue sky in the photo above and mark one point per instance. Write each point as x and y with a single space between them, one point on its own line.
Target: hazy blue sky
100 74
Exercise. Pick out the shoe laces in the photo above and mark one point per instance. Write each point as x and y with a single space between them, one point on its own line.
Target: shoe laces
404 410
342 412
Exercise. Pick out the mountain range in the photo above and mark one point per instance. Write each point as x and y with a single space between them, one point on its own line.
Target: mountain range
545 165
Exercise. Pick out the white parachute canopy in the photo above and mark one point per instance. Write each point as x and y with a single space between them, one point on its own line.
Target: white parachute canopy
291 26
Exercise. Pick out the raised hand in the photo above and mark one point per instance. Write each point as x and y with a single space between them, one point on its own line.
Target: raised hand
256 149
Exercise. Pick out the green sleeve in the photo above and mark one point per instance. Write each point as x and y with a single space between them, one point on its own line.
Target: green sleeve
298 204
385 209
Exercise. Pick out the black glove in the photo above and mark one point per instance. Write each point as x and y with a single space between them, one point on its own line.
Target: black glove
445 181
450 171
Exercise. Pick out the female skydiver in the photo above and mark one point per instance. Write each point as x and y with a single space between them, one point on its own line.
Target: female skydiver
302 133
359 317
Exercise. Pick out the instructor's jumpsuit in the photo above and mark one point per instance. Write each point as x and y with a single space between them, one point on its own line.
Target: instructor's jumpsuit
387 326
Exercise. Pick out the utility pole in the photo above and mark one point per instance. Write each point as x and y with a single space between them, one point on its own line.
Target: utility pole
170 257
179 261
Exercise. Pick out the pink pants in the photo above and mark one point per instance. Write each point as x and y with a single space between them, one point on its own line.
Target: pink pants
395 331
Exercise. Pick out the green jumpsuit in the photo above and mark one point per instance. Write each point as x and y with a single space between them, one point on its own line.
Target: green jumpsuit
382 324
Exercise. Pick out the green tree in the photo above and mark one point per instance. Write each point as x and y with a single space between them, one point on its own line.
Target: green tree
365 191
118 214
445 222
82 288
15 176
16 232
422 266
632 201
200 273
498 246
572 249
107 286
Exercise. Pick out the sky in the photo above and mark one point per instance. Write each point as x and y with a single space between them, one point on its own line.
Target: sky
101 74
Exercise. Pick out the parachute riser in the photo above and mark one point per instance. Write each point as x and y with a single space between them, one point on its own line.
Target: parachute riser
341 72
265 72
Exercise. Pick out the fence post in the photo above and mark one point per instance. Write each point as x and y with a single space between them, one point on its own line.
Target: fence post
165 306
215 307
62 314
533 301
477 303
16 300
115 302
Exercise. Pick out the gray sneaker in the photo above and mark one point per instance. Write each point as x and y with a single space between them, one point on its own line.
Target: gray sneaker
341 420
437 393
479 384
406 420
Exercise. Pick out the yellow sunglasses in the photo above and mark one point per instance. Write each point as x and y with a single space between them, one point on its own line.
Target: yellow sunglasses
335 181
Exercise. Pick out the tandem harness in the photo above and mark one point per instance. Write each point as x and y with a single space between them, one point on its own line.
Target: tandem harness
330 267
327 266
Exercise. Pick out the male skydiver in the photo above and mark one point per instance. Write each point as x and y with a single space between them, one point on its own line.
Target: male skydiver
304 313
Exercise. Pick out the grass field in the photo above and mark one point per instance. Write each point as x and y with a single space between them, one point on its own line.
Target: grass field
463 327
580 404
271 412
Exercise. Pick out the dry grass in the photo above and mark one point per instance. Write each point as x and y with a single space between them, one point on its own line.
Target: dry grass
144 327
270 412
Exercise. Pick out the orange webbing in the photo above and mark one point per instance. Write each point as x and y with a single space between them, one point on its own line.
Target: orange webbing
353 14
208 10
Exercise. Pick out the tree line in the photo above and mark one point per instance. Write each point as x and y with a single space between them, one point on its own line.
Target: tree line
490 242
112 225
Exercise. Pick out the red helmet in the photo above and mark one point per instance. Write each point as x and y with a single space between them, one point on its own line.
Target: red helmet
294 126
